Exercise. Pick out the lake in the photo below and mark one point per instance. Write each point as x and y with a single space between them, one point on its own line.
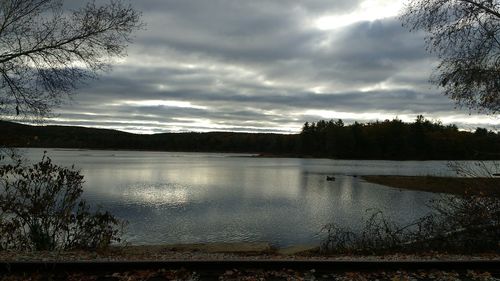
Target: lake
205 197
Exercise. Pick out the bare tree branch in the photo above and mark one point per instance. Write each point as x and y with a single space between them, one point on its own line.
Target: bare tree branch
481 6
464 36
46 52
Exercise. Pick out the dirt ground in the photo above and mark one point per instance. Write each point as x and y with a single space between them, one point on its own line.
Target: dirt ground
234 251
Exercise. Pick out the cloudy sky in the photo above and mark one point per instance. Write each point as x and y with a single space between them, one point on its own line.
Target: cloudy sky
265 66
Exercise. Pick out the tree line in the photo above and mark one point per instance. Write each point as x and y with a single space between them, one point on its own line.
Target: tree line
395 139
390 139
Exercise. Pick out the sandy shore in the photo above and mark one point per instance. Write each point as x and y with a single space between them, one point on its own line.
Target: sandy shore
439 184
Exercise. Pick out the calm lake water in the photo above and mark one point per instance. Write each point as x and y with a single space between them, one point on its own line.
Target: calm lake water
202 197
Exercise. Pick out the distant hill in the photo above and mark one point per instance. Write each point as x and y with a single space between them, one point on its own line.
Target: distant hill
19 135
395 140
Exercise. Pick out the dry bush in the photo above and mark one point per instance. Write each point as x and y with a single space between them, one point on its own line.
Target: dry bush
463 224
41 209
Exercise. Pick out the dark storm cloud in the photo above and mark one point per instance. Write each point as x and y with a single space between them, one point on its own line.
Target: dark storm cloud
257 66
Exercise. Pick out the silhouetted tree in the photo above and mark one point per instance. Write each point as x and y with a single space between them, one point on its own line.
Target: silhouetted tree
46 52
394 139
464 34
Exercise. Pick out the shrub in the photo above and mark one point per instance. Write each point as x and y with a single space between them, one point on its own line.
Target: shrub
41 209
466 224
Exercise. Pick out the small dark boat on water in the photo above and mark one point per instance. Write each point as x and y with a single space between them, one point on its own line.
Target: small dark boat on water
329 178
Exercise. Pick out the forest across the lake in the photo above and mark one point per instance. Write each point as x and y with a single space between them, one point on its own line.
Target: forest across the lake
389 139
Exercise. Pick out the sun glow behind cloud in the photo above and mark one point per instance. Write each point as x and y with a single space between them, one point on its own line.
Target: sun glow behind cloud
369 10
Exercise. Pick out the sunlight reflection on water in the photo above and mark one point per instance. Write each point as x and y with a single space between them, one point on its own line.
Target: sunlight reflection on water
157 194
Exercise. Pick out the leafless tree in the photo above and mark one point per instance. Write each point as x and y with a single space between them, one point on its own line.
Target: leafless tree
464 34
46 51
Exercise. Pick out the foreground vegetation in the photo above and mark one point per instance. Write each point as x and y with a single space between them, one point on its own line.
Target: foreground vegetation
467 222
41 209
389 139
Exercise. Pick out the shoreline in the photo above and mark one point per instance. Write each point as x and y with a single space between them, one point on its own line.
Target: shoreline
191 251
248 154
449 185
244 154
244 251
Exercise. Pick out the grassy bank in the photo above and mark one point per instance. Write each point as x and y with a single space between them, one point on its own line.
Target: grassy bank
439 184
